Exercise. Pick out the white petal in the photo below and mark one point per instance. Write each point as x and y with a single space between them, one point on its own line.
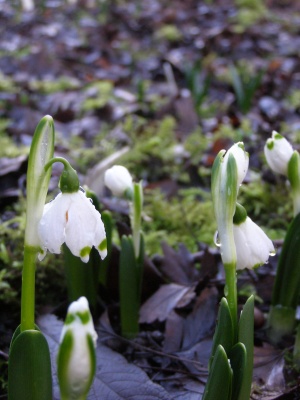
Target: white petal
278 153
51 229
242 160
84 228
253 247
118 180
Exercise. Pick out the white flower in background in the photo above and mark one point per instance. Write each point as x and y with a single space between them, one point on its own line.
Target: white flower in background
76 359
278 152
253 247
118 180
229 170
71 218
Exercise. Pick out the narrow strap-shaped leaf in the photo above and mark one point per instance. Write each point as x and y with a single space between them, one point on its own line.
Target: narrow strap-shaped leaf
246 334
29 367
287 283
108 224
219 383
129 289
238 362
224 334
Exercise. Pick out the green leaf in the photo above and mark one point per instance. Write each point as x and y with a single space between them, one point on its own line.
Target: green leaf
246 336
224 333
129 289
108 224
219 383
287 282
238 362
29 367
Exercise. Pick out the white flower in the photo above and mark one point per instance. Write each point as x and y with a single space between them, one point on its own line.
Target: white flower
228 172
278 152
118 180
253 247
73 219
76 359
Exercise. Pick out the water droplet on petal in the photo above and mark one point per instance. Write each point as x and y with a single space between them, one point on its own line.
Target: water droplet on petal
272 253
216 239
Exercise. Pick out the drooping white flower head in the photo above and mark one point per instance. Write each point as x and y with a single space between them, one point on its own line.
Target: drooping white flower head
76 359
253 247
71 218
118 180
229 170
278 152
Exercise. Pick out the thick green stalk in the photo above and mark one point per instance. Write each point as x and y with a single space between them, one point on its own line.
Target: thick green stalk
28 288
231 295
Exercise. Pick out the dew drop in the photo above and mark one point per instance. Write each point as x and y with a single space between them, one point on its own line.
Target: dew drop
216 239
272 253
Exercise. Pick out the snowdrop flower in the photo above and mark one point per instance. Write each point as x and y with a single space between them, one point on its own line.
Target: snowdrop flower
278 152
76 359
229 170
253 247
118 180
71 218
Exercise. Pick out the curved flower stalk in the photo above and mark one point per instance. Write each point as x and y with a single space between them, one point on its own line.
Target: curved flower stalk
253 247
71 218
76 359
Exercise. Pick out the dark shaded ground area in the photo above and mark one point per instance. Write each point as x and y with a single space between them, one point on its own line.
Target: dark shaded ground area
225 71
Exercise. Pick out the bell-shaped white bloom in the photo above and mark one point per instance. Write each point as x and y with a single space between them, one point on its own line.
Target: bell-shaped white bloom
278 152
229 170
76 359
118 180
253 247
71 218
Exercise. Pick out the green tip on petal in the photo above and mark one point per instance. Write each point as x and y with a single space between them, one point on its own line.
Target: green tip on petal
85 252
103 245
270 144
84 317
277 136
69 319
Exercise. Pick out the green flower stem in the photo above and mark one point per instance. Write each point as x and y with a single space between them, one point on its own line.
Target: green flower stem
137 207
28 288
69 182
231 294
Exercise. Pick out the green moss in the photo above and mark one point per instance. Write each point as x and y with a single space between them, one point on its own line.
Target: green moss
61 84
168 32
189 219
102 94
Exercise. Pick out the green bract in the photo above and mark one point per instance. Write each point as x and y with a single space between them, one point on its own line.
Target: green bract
41 151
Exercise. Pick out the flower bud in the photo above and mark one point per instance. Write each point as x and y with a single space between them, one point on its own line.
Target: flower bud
278 152
118 180
76 359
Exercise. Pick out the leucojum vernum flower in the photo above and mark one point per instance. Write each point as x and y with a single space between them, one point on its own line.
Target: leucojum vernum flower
71 218
283 159
238 238
76 358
